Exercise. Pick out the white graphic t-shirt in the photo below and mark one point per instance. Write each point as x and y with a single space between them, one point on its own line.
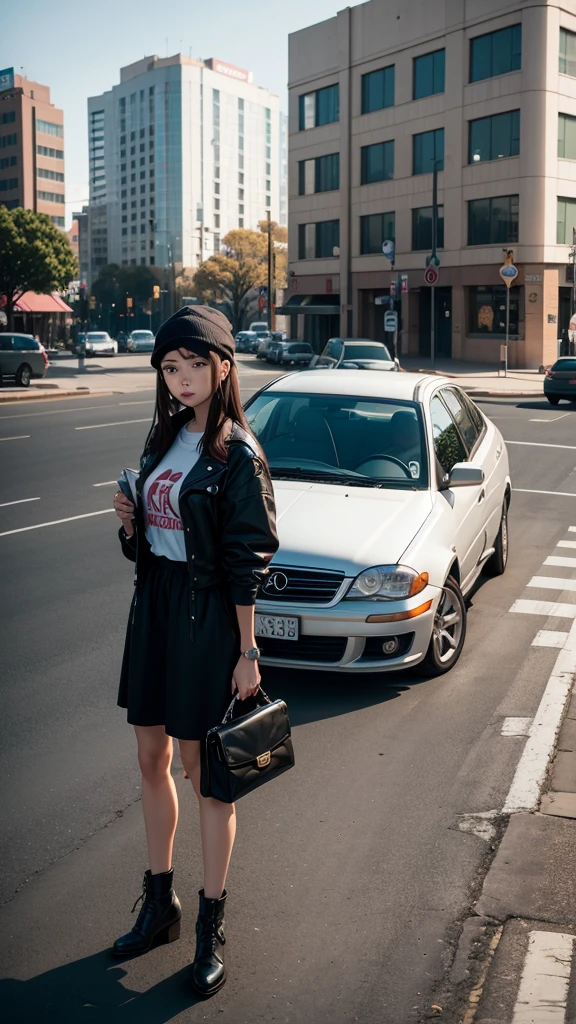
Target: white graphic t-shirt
160 496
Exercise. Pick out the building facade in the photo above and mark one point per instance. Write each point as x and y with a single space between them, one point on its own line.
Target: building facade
31 148
181 152
485 90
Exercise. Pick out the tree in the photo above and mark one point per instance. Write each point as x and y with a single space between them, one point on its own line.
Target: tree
229 278
35 256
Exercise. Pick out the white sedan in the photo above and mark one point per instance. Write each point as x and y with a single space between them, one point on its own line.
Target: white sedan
99 343
392 493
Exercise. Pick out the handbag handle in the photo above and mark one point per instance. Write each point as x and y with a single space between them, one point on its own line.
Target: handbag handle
260 697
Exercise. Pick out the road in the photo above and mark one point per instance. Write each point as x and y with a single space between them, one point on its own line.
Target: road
351 876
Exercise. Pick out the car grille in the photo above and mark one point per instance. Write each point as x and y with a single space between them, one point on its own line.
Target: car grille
307 648
311 586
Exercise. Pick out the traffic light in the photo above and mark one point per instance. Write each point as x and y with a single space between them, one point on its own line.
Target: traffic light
128 302
92 302
156 291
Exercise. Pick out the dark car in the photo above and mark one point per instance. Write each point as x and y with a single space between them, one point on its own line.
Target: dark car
21 359
560 380
264 346
291 352
245 339
356 353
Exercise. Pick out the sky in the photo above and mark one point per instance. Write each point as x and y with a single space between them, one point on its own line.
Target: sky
78 49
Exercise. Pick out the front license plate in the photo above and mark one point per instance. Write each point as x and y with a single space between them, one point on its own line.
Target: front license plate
281 627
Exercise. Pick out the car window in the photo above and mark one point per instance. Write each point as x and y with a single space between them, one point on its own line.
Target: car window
564 364
298 348
5 343
376 352
448 444
461 414
25 344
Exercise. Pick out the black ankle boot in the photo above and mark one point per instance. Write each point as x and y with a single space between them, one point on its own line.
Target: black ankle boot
159 917
208 971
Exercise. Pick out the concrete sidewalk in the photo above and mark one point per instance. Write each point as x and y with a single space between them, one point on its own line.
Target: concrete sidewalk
480 379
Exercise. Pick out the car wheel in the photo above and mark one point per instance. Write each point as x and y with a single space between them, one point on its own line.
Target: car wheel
553 399
23 376
448 632
496 564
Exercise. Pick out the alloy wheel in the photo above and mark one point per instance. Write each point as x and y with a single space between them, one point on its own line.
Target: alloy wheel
447 631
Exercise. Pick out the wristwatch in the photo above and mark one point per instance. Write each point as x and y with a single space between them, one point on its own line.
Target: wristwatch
253 653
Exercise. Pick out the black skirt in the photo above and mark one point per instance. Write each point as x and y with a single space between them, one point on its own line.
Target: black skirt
167 678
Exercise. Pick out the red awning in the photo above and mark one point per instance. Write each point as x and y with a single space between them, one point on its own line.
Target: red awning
32 302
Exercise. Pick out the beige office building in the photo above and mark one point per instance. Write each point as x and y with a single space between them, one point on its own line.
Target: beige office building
31 148
379 94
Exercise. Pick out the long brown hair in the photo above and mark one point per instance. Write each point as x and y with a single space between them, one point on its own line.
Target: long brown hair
226 404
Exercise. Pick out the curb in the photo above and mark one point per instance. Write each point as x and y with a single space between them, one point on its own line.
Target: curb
501 394
35 396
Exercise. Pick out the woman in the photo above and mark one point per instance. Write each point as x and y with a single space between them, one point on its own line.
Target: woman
201 534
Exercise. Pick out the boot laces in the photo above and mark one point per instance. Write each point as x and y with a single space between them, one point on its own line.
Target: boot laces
142 896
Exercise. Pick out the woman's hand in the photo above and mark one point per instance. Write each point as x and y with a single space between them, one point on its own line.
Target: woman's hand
124 509
246 678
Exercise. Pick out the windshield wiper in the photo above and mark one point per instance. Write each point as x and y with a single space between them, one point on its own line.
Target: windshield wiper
298 473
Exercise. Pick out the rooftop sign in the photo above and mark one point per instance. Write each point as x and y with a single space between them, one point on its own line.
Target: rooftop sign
229 69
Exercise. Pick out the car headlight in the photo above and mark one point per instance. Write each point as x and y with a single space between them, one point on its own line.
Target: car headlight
388 583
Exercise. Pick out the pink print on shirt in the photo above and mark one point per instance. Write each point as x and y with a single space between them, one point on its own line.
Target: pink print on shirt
159 511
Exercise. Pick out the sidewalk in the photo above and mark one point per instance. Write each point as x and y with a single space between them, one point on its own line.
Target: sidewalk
479 379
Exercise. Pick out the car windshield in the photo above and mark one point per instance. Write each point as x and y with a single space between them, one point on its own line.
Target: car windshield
565 364
303 347
363 442
377 352
142 335
94 336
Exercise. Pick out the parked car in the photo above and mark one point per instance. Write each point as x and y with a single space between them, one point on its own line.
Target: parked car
264 347
254 343
560 380
99 343
22 358
290 352
244 339
358 353
392 494
260 327
141 341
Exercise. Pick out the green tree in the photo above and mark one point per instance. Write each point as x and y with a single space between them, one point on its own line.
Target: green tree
229 278
35 256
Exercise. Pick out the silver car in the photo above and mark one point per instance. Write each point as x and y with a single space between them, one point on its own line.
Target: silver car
141 341
99 343
21 359
300 352
355 353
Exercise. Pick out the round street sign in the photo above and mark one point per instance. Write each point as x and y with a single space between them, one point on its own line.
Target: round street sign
508 273
431 275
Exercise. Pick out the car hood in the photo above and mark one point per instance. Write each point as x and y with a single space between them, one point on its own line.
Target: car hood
348 528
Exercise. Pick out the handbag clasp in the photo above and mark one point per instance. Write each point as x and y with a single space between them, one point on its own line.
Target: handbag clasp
263 759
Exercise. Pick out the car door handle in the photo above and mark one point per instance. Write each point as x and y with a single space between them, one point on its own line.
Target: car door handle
481 496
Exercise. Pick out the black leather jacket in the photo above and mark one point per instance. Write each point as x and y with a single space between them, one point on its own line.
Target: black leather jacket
229 519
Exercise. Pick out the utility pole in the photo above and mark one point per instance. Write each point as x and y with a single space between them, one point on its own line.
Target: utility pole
434 259
271 296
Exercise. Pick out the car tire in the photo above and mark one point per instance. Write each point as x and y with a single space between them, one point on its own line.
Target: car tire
553 399
496 564
441 656
23 375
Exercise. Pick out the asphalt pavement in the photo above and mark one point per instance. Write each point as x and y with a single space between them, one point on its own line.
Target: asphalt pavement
352 875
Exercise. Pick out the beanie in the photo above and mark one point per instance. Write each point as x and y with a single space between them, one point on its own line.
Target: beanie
197 328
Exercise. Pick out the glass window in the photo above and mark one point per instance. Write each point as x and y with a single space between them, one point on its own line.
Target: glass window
327 173
377 162
327 237
496 53
567 57
448 444
567 136
428 149
429 74
375 229
422 228
378 90
493 220
320 107
22 344
48 128
461 414
566 220
487 307
495 137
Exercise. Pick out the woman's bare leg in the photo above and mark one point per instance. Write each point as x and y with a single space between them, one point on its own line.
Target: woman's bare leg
159 799
217 825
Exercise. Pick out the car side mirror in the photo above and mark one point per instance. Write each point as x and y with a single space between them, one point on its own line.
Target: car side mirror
465 474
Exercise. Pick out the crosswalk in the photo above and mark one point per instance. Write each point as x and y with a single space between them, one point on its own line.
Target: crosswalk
557 574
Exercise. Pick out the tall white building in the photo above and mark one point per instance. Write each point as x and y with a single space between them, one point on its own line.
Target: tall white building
181 152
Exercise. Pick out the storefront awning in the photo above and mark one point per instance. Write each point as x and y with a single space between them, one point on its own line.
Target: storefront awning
32 302
310 305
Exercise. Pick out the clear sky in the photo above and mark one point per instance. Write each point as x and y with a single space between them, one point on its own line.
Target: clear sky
78 49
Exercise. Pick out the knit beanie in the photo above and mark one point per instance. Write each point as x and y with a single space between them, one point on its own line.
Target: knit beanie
198 328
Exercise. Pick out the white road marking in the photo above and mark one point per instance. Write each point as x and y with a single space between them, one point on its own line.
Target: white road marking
563 611
549 638
144 401
530 773
516 726
107 483
55 412
572 529
20 437
56 522
552 583
555 494
21 501
119 423
553 419
542 444
566 544
565 563
543 992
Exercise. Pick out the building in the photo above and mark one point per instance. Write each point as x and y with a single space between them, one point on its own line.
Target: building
81 219
378 95
73 236
31 148
181 152
283 171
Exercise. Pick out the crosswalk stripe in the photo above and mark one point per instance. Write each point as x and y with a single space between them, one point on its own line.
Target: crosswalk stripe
543 992
566 563
552 583
563 611
572 529
550 638
566 544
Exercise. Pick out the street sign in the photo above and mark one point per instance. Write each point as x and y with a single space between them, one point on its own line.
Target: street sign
393 289
404 279
390 321
434 260
382 300
431 275
388 248
508 273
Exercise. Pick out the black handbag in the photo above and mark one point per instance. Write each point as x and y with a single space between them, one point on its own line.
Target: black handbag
246 751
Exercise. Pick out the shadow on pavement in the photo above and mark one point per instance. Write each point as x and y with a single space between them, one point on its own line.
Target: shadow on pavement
72 371
91 989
